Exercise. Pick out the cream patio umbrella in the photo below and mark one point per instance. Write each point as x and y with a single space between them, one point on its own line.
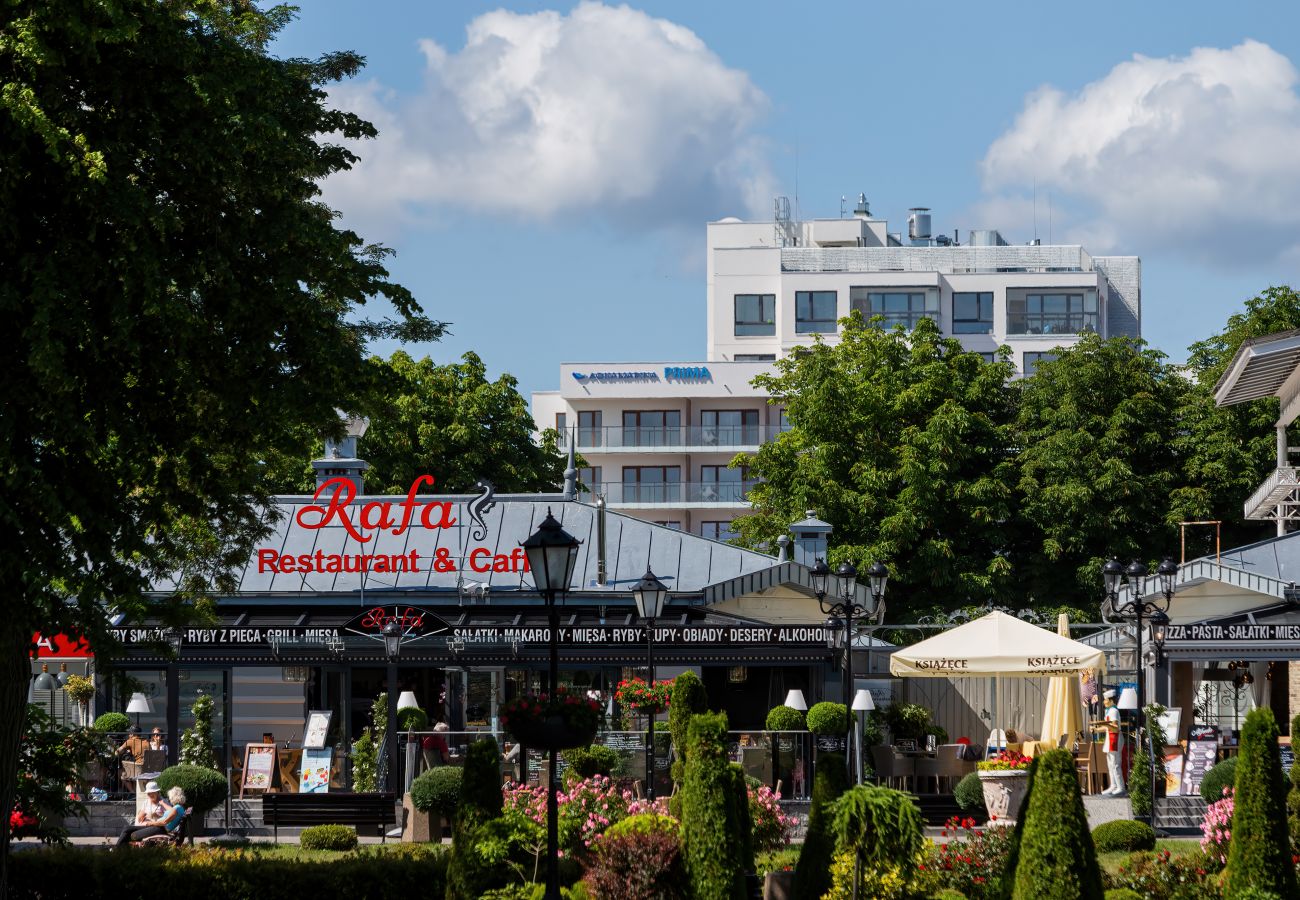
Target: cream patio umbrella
1063 712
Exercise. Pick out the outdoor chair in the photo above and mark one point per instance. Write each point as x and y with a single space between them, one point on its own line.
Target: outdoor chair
1090 767
892 766
946 765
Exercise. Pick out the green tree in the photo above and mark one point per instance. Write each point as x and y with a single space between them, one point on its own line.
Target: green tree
812 873
1056 857
179 299
196 742
901 442
882 827
1097 429
711 847
1259 856
448 421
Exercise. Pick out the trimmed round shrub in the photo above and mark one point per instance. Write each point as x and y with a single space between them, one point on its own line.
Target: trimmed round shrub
205 789
438 790
1123 834
328 837
785 718
1056 857
1220 776
412 718
590 761
969 793
1259 856
1123 894
112 721
828 718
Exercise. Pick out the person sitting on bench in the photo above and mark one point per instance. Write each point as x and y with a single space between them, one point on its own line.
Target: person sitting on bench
157 817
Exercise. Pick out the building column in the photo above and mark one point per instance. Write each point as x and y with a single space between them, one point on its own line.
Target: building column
173 712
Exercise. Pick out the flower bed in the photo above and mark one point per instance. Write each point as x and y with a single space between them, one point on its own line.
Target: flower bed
972 861
1006 761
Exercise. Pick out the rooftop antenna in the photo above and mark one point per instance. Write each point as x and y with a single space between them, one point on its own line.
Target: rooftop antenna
844 203
1049 217
797 216
1035 206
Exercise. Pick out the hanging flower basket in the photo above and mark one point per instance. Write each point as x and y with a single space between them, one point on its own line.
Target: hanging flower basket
23 825
543 723
639 695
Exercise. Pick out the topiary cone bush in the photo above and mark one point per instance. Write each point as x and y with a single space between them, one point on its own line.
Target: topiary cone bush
481 801
480 789
812 874
740 812
711 849
828 718
1056 858
1293 796
689 698
1259 857
785 718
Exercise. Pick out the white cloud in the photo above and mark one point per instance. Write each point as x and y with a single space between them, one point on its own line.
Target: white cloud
1194 152
604 111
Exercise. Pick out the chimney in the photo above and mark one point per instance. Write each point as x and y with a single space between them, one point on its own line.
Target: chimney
810 538
340 459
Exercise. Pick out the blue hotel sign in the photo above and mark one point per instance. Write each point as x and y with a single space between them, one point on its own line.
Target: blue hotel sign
687 373
671 373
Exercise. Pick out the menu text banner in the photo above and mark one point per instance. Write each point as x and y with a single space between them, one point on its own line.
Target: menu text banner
1243 631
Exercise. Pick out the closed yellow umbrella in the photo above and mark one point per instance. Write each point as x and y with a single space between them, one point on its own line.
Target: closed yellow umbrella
1064 711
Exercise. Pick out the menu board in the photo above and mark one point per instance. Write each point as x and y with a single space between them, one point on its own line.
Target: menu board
259 767
1200 759
623 740
1173 769
1288 758
318 726
315 771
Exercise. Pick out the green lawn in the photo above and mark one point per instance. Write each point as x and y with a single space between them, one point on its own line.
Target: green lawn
1176 847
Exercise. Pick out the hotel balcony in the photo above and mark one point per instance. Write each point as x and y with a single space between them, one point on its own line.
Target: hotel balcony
678 439
678 495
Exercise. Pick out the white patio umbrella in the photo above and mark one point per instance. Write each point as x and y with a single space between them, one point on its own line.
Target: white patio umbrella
995 645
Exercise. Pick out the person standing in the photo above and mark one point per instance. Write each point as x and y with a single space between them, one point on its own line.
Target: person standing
1114 765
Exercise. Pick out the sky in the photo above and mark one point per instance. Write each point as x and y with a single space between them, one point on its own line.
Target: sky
545 171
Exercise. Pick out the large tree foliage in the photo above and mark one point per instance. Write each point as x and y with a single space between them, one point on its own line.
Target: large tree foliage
901 442
177 296
1096 431
448 421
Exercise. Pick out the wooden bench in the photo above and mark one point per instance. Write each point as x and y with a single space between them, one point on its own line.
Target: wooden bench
294 810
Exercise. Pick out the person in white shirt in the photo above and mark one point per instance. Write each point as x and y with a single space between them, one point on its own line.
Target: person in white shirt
1114 767
152 818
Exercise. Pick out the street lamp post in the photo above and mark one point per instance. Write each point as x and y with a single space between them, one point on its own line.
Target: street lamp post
651 594
552 553
392 650
842 589
1156 613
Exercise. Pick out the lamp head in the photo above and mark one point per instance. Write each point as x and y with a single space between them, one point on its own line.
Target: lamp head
392 638
820 573
846 580
1111 574
552 554
1159 627
651 596
794 699
877 577
1128 698
862 701
1168 572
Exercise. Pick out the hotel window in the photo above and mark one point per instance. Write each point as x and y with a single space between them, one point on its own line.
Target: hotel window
718 531
988 357
674 524
814 312
722 484
972 313
1052 313
1032 360
652 428
589 430
590 480
652 484
904 308
561 423
728 427
754 357
755 314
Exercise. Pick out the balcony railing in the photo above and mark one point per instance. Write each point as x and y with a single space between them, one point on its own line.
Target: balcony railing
719 493
682 438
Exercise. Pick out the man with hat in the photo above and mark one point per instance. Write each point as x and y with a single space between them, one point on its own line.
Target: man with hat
150 820
1113 764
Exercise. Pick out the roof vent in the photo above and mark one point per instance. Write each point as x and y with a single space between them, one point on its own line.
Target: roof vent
862 210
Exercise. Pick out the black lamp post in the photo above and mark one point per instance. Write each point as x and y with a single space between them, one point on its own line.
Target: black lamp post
1157 616
651 594
552 553
392 650
841 604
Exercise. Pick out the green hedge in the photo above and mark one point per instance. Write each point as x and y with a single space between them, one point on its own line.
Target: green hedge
438 790
828 718
203 873
329 837
712 836
1123 834
591 760
1259 857
969 793
1220 776
1123 894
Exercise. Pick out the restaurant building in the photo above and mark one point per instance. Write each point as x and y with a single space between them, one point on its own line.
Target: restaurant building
303 629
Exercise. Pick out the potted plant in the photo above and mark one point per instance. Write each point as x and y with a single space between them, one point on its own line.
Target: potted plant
639 695
551 723
830 722
1004 778
80 690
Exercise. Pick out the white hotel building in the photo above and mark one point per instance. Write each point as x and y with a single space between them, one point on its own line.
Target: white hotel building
658 436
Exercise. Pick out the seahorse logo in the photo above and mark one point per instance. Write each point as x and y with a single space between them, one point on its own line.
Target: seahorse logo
479 507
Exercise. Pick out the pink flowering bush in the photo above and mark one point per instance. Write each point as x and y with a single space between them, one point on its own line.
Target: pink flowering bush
586 808
771 826
1216 828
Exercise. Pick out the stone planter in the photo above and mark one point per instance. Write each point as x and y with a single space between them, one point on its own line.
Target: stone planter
1004 792
779 886
416 824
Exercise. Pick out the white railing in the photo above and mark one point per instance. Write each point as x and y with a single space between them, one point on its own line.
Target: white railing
1278 486
1054 258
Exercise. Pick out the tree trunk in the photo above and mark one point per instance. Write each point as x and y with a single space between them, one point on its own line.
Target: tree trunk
15 677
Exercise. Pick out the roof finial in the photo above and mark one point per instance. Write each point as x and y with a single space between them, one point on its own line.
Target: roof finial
570 473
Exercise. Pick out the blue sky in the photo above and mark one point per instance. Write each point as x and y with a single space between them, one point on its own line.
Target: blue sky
545 181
